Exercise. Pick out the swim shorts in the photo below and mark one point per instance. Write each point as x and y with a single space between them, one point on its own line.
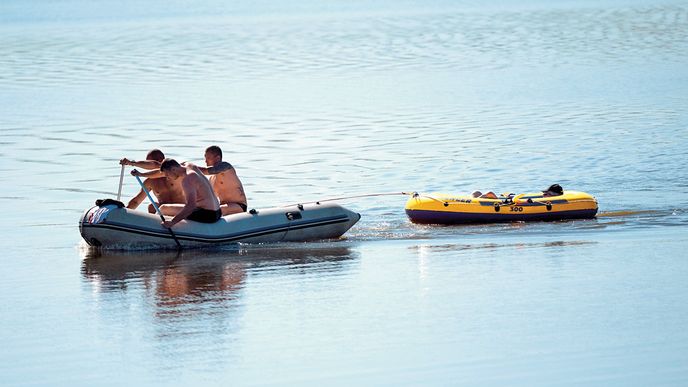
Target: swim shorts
205 216
242 205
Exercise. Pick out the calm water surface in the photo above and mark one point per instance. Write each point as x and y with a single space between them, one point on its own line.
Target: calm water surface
312 100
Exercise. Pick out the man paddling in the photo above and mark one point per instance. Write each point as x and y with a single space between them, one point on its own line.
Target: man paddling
201 203
225 182
165 191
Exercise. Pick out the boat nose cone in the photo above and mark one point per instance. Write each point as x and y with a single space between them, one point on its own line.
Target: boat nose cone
354 217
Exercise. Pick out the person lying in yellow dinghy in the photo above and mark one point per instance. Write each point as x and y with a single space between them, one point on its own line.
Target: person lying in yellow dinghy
552 190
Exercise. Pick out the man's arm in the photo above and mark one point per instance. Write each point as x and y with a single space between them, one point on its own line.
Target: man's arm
215 169
189 164
136 200
189 207
140 197
146 164
149 174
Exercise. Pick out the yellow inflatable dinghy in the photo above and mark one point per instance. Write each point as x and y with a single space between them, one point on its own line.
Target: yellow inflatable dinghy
439 208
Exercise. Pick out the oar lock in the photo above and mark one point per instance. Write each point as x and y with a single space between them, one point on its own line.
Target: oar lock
507 202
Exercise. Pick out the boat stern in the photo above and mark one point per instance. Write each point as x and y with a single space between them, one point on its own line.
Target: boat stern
319 221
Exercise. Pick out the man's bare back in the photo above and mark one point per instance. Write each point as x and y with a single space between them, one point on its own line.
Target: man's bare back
195 185
226 184
201 203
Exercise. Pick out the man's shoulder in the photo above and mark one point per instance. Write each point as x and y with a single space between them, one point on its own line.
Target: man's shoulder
190 177
220 167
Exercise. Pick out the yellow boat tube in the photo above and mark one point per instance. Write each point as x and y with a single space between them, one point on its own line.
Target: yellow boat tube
440 208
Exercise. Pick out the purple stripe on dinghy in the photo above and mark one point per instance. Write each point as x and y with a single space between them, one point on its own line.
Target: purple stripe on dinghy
446 217
526 204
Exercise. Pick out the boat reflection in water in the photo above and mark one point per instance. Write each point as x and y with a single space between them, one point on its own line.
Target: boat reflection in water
188 284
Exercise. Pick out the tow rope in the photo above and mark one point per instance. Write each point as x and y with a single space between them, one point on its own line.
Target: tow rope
354 197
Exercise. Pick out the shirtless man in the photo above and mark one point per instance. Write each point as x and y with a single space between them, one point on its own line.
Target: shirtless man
201 203
165 191
225 182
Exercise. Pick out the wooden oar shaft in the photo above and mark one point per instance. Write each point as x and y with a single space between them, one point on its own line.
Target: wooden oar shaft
121 179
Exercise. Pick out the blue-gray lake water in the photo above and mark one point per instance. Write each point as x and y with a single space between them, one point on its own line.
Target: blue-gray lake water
319 99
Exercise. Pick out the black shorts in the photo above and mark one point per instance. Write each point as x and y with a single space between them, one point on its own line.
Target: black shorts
242 205
205 216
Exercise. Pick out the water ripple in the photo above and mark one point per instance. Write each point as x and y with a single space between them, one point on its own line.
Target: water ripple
454 40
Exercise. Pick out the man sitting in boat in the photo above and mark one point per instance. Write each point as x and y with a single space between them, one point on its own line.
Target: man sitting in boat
201 203
225 182
165 191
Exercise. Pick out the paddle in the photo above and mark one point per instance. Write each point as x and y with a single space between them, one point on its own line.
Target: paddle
162 217
121 178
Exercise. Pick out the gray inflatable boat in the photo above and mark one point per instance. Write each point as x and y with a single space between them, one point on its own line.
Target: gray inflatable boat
113 227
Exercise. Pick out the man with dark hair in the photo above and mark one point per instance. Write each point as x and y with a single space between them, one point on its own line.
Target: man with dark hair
225 182
165 191
215 150
553 190
153 160
201 203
